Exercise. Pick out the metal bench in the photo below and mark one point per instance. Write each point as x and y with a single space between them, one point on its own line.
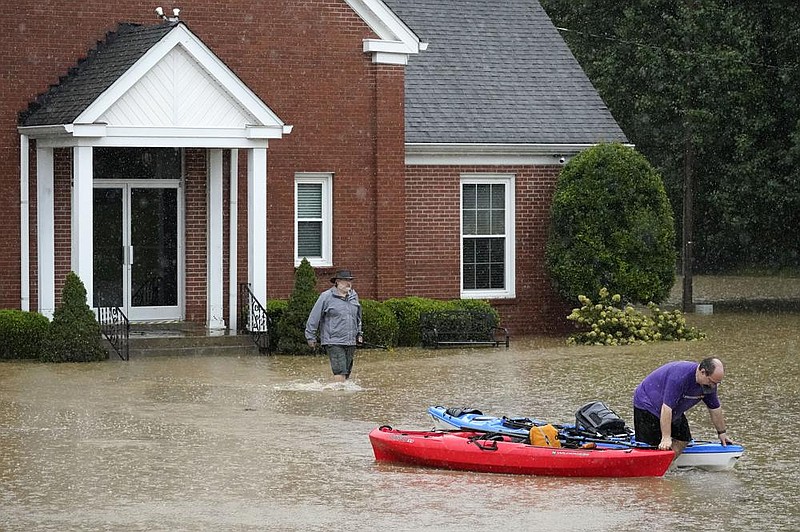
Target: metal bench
455 328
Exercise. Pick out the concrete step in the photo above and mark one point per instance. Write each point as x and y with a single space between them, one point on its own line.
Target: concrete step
186 339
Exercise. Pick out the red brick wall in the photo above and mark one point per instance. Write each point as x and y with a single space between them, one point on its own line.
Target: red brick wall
196 247
433 232
304 59
390 201
62 206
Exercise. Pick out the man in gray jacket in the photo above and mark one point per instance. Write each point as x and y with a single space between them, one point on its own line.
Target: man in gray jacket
337 317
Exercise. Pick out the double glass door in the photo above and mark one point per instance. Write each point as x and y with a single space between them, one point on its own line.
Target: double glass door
137 249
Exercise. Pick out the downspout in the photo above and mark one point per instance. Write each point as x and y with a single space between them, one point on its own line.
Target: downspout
24 224
233 244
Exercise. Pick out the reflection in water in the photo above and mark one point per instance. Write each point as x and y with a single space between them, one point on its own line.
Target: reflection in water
267 443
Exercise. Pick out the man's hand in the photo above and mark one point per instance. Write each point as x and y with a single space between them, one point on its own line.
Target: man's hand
666 443
360 339
312 344
725 440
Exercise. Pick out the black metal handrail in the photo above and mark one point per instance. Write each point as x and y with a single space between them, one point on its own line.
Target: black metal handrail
116 328
253 318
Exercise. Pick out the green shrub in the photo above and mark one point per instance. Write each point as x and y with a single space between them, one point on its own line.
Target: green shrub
609 322
379 323
275 310
22 334
407 311
292 323
611 226
475 304
74 334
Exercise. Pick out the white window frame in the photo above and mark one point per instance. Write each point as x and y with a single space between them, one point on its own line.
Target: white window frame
326 180
510 248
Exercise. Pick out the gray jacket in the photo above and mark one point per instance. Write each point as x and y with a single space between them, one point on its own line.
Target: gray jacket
337 319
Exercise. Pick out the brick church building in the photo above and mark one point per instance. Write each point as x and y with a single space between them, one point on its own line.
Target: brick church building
169 157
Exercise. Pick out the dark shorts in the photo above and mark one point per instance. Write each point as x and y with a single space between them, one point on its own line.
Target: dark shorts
648 427
341 358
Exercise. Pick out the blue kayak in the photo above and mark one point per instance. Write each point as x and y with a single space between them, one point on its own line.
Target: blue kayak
710 456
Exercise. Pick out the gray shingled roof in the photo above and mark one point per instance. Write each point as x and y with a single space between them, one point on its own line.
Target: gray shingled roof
85 82
497 72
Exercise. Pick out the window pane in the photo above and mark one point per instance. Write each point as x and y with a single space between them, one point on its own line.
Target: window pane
469 277
498 196
484 199
483 222
470 227
309 239
309 200
498 222
484 263
468 196
137 163
469 250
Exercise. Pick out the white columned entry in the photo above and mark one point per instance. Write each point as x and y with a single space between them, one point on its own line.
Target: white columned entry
233 262
45 231
214 312
83 218
257 223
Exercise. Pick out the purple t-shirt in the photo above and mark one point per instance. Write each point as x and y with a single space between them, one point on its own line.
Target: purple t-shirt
673 384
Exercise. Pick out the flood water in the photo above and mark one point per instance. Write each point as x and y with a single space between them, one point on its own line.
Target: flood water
266 443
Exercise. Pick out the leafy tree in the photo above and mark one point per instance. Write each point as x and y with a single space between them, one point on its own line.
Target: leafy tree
292 323
710 88
611 226
74 334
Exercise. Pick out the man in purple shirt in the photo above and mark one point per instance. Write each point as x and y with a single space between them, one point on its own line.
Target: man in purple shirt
662 398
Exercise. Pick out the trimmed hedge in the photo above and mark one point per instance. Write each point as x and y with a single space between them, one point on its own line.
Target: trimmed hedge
379 323
407 311
394 322
22 334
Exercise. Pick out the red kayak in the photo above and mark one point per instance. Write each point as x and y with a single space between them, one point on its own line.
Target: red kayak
468 451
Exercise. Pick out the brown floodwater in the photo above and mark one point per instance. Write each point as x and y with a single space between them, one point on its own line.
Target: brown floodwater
267 443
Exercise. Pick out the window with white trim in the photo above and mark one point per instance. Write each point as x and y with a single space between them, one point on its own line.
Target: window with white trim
487 236
313 234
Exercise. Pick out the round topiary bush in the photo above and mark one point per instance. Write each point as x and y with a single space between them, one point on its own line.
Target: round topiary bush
22 334
611 226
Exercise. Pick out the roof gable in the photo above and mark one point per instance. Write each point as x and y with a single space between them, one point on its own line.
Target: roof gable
159 77
176 92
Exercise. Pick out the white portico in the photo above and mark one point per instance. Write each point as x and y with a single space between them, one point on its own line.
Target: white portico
149 88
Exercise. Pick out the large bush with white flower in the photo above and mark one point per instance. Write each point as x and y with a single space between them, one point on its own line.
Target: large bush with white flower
609 322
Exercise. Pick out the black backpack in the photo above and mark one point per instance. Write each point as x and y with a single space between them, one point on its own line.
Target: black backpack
598 419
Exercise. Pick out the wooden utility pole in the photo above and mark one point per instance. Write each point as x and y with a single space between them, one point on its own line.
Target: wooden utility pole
688 156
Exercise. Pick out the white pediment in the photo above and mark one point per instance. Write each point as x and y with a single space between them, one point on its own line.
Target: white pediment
177 92
180 89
